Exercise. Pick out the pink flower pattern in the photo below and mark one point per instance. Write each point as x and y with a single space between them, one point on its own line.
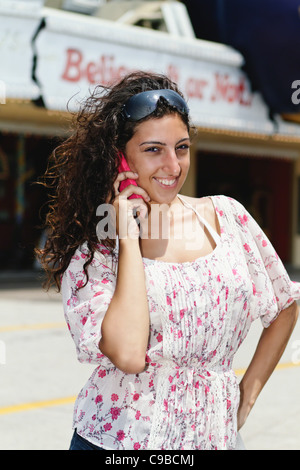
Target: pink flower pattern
200 314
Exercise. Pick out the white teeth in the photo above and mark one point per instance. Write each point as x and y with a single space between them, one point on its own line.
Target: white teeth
166 182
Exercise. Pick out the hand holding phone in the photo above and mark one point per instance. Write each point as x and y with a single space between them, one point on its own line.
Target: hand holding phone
123 166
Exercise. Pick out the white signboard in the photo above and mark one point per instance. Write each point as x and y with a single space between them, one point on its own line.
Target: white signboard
74 57
17 29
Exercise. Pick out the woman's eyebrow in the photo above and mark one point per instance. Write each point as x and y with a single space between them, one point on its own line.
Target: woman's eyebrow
182 140
162 143
152 142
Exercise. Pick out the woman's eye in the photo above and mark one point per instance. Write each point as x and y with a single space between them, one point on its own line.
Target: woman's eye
183 147
152 149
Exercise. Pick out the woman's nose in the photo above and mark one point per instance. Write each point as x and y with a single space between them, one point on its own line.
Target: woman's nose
171 163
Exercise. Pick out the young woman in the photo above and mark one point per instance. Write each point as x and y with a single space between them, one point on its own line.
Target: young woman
163 293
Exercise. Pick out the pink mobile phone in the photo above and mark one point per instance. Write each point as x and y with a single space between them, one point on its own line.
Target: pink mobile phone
123 166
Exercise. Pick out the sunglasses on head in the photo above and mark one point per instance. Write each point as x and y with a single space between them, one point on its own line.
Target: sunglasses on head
143 104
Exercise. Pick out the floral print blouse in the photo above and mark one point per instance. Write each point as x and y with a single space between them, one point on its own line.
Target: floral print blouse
200 312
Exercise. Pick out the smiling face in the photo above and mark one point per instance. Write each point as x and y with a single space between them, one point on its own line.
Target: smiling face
159 153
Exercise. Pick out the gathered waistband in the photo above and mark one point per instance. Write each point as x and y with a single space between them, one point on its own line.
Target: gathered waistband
209 372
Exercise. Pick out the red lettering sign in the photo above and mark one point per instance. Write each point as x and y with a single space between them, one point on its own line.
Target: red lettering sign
226 90
72 70
104 71
173 73
195 88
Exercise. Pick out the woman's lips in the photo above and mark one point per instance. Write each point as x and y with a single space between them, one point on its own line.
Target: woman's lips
167 182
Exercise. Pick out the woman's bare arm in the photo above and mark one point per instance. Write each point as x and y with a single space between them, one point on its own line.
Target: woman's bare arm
125 327
269 350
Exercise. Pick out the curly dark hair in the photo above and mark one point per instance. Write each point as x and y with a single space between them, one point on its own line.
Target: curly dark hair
81 170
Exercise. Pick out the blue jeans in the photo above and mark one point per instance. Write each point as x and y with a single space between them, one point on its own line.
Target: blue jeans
79 443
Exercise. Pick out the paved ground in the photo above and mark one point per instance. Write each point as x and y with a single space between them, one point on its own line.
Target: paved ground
40 377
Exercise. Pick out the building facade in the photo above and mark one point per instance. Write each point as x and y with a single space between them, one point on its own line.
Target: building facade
52 59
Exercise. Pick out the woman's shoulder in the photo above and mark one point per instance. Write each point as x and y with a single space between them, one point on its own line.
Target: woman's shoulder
198 202
205 206
215 206
209 204
212 202
102 255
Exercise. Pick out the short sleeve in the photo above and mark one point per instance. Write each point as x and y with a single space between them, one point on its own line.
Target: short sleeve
85 307
273 289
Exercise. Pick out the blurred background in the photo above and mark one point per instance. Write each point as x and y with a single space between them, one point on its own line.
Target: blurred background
238 64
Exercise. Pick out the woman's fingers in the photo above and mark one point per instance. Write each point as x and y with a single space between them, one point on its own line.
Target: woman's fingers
131 188
122 177
131 215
